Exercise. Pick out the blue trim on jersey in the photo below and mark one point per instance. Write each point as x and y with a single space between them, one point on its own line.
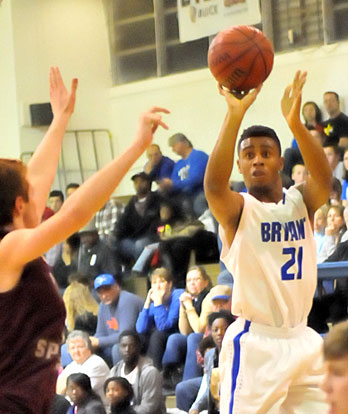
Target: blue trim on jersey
236 362
284 195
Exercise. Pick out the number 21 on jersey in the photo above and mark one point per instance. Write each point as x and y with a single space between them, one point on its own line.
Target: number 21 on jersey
294 256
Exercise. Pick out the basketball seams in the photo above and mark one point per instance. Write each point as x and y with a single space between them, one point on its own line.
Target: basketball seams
241 57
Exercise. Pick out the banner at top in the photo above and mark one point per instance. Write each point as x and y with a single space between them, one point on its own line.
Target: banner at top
201 18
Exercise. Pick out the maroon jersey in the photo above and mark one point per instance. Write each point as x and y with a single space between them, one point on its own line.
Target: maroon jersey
32 317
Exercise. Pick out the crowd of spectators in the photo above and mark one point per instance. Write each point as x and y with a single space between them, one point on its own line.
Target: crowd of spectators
137 350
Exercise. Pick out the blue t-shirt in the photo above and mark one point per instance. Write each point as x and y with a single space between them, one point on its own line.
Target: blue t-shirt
188 174
163 170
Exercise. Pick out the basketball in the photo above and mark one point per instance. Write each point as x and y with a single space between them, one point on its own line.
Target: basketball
240 58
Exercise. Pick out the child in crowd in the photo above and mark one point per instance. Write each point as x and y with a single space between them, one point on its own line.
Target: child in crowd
119 393
85 400
299 173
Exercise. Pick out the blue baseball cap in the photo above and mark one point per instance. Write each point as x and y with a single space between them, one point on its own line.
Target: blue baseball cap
104 280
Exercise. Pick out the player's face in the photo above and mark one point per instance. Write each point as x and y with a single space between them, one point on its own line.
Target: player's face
76 393
115 393
335 385
109 294
259 162
30 217
195 282
218 330
78 350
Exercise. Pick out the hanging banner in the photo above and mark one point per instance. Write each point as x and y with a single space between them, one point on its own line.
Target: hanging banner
201 18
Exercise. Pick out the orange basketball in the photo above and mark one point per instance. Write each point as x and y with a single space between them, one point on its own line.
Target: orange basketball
240 58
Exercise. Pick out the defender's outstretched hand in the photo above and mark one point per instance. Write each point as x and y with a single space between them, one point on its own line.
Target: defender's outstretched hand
62 101
239 103
149 121
291 101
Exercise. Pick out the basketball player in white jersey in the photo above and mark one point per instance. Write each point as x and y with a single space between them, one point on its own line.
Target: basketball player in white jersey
270 360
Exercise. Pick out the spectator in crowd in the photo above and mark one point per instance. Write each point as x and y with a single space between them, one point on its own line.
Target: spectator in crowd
160 314
119 393
333 232
118 311
336 127
137 225
195 306
345 178
299 173
188 174
173 224
106 219
158 166
78 299
219 322
319 227
189 391
94 257
333 155
55 200
60 405
312 119
66 262
71 188
80 349
85 400
335 383
139 371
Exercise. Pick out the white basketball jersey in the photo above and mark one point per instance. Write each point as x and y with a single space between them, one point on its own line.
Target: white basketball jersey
273 261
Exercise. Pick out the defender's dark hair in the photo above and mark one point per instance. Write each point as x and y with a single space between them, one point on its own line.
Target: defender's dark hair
13 184
259 131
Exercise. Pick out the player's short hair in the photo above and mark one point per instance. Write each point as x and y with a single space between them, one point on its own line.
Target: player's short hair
259 131
80 334
163 273
336 341
13 184
333 93
57 193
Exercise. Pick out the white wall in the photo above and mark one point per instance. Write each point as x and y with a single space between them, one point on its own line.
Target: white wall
9 130
35 34
198 110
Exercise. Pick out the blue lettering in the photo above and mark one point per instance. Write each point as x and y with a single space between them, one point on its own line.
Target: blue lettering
265 232
276 231
293 231
301 228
